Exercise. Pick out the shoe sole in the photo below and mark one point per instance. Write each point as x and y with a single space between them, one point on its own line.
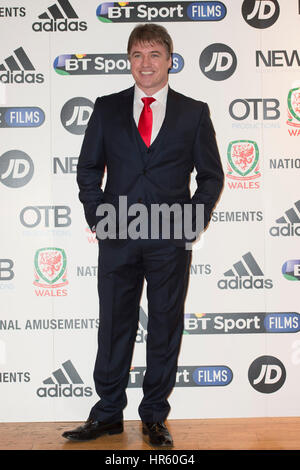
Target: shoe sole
109 431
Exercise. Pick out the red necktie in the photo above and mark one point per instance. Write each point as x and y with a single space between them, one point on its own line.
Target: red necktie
146 121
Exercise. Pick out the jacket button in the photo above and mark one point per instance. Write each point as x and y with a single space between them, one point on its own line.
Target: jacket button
144 172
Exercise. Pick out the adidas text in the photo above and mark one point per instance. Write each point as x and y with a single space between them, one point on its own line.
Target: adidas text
57 391
285 231
21 77
247 283
63 25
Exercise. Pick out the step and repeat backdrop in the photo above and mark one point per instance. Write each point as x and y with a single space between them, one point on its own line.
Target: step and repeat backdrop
240 354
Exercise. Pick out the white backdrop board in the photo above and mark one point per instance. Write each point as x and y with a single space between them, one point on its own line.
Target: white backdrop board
240 354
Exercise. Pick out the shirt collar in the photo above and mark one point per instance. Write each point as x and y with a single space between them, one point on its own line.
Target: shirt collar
160 95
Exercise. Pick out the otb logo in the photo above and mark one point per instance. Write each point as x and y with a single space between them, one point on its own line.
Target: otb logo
293 103
288 224
218 62
59 17
127 12
240 109
50 272
260 13
291 270
75 115
6 270
47 216
243 164
267 374
16 168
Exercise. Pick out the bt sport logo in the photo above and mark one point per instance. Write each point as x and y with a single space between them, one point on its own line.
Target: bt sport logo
135 12
102 64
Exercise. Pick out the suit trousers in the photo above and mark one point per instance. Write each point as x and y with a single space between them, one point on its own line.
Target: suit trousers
122 268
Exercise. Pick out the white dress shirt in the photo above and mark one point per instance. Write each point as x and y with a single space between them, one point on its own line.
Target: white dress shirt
158 108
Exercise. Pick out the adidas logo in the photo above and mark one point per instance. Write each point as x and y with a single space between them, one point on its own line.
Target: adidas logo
288 223
18 68
246 274
64 382
59 17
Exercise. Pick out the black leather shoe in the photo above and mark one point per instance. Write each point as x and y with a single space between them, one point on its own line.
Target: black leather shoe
93 429
158 434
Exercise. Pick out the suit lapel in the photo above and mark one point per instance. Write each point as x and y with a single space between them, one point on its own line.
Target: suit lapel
170 117
126 110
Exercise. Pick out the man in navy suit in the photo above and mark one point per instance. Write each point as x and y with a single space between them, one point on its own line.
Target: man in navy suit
149 138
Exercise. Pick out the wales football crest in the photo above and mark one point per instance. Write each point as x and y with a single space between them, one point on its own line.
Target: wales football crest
243 156
50 267
293 102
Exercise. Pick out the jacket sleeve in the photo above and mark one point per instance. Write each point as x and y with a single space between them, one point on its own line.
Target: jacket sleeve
210 175
91 166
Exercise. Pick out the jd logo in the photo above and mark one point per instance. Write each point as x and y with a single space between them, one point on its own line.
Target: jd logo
75 115
260 13
218 62
16 168
267 374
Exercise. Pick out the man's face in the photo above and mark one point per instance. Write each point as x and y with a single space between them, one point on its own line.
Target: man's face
149 66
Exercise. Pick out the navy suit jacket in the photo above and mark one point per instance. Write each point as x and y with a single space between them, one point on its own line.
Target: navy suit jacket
158 174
